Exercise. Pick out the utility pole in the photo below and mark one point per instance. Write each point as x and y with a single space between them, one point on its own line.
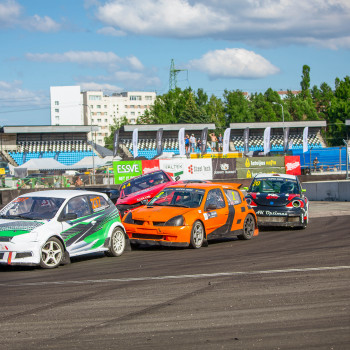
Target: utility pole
172 76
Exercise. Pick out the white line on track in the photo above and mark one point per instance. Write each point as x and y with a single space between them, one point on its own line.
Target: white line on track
201 275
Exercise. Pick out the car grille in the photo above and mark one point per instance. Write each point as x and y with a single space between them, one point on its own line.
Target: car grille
23 255
5 239
155 223
146 236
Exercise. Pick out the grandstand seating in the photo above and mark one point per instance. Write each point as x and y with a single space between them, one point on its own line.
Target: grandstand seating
257 142
147 148
67 152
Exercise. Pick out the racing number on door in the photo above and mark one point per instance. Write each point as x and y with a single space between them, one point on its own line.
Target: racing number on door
95 202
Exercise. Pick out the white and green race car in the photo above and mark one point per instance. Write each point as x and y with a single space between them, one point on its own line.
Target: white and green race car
46 228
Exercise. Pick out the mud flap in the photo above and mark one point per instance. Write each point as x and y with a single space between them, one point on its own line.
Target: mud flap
65 259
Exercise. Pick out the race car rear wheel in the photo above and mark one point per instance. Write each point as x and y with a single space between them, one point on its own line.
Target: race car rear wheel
117 243
51 253
197 235
248 228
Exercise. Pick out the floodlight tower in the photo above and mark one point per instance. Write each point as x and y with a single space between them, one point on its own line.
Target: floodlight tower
173 73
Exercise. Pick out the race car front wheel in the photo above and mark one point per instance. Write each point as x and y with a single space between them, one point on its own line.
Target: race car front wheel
197 235
51 253
117 243
248 228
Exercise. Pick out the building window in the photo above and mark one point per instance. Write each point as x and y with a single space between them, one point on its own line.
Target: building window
98 113
135 98
57 110
57 103
105 106
148 98
106 120
98 106
94 97
98 120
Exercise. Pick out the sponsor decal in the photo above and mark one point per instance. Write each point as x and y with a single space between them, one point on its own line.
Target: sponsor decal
125 170
212 214
150 165
272 195
224 168
270 213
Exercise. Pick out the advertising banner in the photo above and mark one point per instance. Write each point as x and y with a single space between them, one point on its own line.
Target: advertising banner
250 173
116 143
292 164
188 169
125 170
260 162
305 136
246 140
226 146
159 142
285 139
224 168
267 134
135 138
150 165
204 138
182 150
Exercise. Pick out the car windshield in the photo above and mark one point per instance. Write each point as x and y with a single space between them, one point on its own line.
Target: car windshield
142 183
32 208
179 197
274 185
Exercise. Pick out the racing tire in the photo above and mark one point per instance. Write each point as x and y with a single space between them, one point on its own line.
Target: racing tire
197 235
117 243
248 228
51 253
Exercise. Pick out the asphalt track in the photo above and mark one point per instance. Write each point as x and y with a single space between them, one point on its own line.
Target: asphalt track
285 289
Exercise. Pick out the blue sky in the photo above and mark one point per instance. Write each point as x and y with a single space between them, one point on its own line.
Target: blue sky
127 45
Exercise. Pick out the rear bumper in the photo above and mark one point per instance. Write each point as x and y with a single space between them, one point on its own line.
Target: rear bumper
295 217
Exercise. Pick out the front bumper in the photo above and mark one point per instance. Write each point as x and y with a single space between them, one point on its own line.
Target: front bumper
13 254
163 235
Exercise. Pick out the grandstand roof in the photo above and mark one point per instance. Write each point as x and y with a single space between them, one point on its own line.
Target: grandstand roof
280 125
169 127
48 129
44 164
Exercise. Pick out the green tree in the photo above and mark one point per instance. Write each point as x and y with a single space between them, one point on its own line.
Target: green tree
305 82
108 140
237 107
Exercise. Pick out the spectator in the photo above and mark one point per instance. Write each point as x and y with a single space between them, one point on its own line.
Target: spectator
220 143
193 142
213 142
187 144
199 144
315 163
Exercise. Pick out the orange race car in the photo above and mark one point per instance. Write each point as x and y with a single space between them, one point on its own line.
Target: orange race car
190 214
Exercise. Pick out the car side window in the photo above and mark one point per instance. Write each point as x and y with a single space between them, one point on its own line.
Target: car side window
98 203
215 198
232 196
79 206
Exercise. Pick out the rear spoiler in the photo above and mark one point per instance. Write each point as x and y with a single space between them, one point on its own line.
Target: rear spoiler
229 184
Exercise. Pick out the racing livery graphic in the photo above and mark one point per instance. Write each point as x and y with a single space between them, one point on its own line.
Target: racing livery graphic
278 200
46 228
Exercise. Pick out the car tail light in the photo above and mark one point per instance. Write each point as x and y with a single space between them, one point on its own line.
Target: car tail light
251 202
295 204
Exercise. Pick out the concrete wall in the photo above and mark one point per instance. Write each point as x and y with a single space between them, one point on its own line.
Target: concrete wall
328 190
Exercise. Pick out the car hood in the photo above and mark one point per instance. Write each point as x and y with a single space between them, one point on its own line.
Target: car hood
138 196
271 199
11 228
158 213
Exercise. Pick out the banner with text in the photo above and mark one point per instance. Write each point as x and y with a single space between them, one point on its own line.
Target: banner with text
125 170
224 169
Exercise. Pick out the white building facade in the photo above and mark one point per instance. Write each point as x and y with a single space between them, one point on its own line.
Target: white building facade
66 103
95 108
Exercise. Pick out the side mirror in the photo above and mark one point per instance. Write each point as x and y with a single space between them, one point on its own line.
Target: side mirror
211 207
68 216
177 178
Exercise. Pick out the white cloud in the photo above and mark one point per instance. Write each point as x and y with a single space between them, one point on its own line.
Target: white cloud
10 11
110 31
272 22
11 15
233 63
41 24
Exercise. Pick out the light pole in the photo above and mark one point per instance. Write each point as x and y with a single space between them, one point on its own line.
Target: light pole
92 143
276 103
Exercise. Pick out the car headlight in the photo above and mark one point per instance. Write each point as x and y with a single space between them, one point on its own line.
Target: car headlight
175 221
129 219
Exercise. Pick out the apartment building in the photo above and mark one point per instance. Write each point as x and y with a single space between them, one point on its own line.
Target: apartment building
96 108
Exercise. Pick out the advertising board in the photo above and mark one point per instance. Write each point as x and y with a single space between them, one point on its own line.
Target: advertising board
224 169
125 170
292 164
260 162
251 172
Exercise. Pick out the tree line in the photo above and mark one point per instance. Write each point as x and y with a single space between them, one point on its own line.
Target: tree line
187 106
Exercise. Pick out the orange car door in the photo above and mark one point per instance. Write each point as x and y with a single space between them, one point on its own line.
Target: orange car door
215 213
236 208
